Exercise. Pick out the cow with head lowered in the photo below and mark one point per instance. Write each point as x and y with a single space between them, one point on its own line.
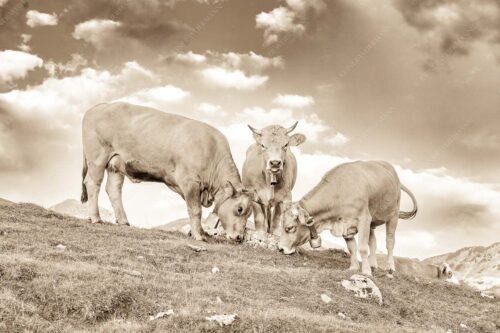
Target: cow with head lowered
270 169
143 144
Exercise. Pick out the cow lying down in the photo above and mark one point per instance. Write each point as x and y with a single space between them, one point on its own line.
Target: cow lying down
352 198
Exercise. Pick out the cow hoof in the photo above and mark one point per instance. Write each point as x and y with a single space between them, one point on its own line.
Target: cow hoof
123 223
200 237
97 222
354 268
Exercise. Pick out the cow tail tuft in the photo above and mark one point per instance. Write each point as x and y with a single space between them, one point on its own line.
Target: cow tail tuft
413 213
84 197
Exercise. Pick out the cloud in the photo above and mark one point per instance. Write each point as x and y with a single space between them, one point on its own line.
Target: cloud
156 96
190 58
452 27
278 21
16 64
337 140
36 19
211 109
72 66
236 79
288 19
24 44
97 32
65 99
294 101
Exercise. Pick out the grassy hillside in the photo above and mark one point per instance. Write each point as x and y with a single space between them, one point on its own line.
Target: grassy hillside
111 279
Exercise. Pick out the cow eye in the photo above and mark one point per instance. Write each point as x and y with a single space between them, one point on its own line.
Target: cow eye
240 210
262 146
290 229
285 146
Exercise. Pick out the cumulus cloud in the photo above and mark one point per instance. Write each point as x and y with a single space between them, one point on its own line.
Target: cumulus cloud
16 64
156 96
24 44
294 101
76 62
97 32
35 19
236 79
288 19
210 109
240 71
337 140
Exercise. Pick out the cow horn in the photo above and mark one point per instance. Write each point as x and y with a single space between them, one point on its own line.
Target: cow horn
290 129
254 130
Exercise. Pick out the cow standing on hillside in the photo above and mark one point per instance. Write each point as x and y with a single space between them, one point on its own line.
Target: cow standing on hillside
351 198
271 169
190 157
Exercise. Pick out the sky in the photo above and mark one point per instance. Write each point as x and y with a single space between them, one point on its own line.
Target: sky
415 83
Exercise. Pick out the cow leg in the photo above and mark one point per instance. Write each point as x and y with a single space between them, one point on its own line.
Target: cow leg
259 217
363 238
351 246
114 186
93 181
390 241
373 250
275 224
192 195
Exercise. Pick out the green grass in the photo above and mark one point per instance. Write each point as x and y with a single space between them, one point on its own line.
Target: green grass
94 285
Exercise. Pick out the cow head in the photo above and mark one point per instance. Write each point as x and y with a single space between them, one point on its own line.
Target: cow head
274 142
297 228
233 208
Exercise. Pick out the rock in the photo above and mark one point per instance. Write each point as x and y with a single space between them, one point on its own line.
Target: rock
222 320
215 270
196 248
325 298
61 247
261 239
140 257
363 287
134 273
463 326
485 294
341 315
160 315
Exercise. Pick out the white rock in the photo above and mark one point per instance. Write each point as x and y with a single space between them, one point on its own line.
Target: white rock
485 294
222 320
196 248
463 326
363 287
140 257
162 314
325 298
215 270
61 247
341 315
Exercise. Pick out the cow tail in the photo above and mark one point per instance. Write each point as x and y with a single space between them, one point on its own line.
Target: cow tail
84 197
413 213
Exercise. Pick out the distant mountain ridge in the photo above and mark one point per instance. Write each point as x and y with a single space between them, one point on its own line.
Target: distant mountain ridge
75 208
478 266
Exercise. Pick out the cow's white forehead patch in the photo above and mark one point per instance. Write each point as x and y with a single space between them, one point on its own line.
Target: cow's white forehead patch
295 212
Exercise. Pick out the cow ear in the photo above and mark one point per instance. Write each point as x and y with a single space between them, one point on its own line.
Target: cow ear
257 134
305 219
297 139
229 189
